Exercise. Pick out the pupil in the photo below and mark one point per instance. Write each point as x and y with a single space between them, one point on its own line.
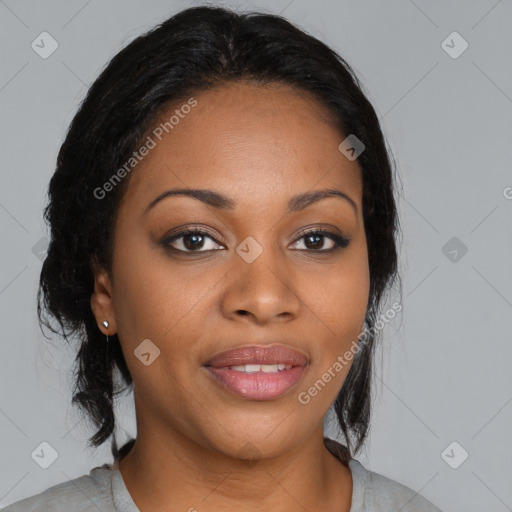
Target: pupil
310 237
193 245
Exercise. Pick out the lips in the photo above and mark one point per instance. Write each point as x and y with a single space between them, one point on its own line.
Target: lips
259 355
258 372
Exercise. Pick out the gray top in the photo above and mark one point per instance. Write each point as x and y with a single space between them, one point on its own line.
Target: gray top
104 490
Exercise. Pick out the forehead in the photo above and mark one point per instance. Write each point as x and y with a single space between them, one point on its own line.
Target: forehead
253 142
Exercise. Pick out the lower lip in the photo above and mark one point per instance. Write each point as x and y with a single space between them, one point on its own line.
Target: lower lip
257 385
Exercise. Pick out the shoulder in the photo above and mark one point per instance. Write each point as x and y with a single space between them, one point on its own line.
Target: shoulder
374 492
83 494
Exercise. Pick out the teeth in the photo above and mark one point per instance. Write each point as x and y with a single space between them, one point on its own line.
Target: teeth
265 368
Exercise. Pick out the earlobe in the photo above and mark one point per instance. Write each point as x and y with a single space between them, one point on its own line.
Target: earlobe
102 302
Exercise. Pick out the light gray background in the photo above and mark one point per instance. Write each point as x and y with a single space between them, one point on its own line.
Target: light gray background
445 369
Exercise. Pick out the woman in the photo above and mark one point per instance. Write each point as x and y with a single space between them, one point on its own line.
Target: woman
223 234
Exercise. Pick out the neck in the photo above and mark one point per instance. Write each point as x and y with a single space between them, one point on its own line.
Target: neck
174 472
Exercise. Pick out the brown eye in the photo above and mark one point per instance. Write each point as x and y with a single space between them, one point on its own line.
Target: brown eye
191 240
314 240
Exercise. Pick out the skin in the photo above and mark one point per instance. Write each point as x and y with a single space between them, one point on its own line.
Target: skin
199 447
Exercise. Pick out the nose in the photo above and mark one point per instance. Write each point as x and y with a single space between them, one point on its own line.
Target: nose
262 290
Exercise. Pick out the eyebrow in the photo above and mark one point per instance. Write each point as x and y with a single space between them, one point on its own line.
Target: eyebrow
216 200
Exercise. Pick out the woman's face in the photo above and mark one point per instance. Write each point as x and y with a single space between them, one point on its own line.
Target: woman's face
253 277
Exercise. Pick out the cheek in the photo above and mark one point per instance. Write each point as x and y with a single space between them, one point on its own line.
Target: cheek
164 301
152 295
151 303
338 302
338 295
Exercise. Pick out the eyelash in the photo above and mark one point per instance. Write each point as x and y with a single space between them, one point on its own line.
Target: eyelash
340 241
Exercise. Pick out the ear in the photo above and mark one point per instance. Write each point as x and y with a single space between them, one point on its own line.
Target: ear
101 301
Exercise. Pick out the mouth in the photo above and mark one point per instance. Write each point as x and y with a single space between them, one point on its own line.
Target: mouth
258 372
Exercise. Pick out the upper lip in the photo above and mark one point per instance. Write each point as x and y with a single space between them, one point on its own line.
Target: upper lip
257 354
